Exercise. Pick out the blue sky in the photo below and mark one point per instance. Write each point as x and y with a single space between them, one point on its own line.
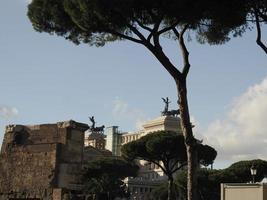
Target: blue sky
45 79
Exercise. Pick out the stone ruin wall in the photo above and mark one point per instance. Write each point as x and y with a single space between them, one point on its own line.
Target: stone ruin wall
28 172
32 159
29 135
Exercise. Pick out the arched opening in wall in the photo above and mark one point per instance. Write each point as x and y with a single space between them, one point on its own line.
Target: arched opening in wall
19 138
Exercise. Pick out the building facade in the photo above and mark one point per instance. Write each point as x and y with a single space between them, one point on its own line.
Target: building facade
150 176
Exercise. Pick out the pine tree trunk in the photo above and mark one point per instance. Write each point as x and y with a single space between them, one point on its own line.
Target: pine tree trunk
191 171
180 79
190 141
170 187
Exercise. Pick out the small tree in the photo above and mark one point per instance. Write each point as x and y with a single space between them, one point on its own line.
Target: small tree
167 150
103 178
241 170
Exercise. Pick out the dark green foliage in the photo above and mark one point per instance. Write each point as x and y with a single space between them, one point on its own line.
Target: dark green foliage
258 7
166 149
242 170
97 21
161 192
206 154
209 180
103 177
156 147
223 19
165 146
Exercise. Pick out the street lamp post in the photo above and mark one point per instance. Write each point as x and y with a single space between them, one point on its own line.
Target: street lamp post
253 172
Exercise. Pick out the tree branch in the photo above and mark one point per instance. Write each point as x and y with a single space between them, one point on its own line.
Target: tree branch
131 27
161 167
155 29
174 164
258 40
136 32
253 21
263 16
166 29
156 50
176 33
181 166
156 41
112 32
126 37
185 53
142 25
164 60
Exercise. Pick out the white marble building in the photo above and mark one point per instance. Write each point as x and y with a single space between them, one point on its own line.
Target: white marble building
150 176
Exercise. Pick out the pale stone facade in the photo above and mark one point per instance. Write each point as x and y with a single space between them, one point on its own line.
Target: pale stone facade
96 140
115 139
243 191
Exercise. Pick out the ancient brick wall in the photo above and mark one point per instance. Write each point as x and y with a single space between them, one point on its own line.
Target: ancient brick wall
72 151
36 161
28 171
37 134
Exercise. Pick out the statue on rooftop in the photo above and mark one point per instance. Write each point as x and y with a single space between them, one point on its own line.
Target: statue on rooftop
92 119
167 102
93 128
166 111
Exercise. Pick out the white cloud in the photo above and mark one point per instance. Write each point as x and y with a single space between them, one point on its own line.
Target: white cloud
8 112
243 132
122 111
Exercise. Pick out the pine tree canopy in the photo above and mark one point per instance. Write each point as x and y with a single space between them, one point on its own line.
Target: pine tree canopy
99 21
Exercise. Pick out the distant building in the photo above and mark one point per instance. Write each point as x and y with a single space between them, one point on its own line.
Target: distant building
94 139
94 145
150 175
113 140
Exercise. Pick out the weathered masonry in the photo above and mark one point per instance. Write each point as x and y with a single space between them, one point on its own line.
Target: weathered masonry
41 161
